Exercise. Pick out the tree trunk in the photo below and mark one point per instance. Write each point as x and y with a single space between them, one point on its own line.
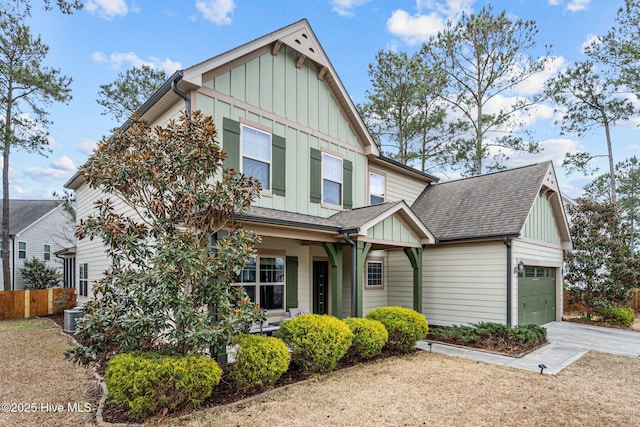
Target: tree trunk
6 268
610 153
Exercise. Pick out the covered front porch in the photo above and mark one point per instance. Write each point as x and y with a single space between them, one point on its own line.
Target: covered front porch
340 265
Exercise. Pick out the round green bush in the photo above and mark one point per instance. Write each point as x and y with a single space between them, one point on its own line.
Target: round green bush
260 361
618 316
317 342
369 337
405 327
151 382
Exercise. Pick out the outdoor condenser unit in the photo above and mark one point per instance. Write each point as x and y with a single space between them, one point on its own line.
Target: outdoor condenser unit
70 317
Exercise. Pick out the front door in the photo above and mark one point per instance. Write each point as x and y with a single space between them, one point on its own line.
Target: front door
321 287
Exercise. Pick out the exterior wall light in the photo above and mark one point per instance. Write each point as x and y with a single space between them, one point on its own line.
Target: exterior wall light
519 268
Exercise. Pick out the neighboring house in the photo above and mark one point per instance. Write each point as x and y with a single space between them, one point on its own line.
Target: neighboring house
37 229
339 235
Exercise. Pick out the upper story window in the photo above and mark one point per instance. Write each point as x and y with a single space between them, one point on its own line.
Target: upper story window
256 155
47 252
22 250
331 179
376 188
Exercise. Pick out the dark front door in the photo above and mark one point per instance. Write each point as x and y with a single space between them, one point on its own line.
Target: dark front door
321 287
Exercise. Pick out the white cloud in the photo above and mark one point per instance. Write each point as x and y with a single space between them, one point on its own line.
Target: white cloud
573 5
40 173
345 7
591 39
551 150
117 60
536 83
414 29
430 18
64 163
216 11
578 5
107 9
86 146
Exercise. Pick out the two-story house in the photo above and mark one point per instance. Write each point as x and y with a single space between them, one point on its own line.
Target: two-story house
37 229
339 233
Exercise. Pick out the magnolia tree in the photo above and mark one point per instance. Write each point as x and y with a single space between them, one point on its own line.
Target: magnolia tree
601 269
169 284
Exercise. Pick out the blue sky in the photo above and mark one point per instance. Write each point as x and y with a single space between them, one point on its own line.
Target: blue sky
109 36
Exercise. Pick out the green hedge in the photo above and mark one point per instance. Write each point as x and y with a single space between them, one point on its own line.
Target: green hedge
148 382
369 337
619 316
260 361
316 342
405 326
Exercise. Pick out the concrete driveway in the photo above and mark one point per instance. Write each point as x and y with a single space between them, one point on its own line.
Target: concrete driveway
567 342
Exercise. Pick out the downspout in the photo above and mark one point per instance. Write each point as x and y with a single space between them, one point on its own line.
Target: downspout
507 243
187 99
345 234
13 263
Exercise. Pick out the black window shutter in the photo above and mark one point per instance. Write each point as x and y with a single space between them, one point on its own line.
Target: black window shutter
231 143
347 178
279 167
315 184
292 282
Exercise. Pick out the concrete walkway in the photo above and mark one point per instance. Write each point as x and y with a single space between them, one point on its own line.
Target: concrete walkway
567 343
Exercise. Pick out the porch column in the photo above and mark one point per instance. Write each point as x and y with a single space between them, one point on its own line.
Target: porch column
334 252
362 249
415 258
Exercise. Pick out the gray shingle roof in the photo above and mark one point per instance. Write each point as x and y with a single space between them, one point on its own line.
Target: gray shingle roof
344 220
23 213
491 205
355 218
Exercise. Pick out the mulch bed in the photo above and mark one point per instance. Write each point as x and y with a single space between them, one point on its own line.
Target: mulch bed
513 349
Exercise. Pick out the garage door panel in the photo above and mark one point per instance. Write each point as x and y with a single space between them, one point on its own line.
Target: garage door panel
536 296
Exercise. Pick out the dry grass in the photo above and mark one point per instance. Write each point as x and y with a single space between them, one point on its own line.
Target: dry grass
32 372
434 389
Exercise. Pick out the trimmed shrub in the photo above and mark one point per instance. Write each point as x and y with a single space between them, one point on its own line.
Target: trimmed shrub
369 337
260 361
618 316
317 342
405 326
483 332
151 382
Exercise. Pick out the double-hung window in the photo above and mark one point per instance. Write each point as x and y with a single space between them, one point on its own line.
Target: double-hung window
83 280
47 252
374 274
331 179
376 189
256 155
263 278
22 250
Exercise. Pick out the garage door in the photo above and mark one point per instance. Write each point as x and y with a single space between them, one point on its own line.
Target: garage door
536 295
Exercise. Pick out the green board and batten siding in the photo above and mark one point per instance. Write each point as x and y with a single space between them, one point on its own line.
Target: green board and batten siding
306 104
541 224
392 229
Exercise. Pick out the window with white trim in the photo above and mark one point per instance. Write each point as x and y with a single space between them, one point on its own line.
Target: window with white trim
376 188
47 252
331 179
374 274
83 280
22 250
256 155
263 278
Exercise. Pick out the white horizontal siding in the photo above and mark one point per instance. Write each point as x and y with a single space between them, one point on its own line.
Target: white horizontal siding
374 298
399 280
464 283
54 229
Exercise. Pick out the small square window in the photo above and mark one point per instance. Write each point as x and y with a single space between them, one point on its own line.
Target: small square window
374 274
